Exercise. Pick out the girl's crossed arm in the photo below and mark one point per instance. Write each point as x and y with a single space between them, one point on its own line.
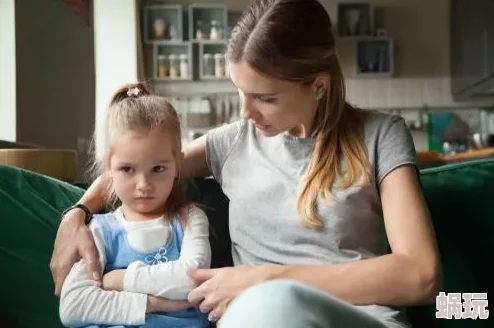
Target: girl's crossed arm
170 279
83 301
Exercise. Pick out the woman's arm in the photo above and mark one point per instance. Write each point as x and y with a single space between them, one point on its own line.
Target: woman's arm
195 164
74 239
410 275
170 279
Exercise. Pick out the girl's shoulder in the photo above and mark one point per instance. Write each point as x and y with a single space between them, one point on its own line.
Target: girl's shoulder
102 219
191 212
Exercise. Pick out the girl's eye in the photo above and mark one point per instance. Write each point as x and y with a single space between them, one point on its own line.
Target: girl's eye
159 169
126 169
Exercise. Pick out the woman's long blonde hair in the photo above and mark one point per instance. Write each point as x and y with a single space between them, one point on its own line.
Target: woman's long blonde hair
135 107
292 40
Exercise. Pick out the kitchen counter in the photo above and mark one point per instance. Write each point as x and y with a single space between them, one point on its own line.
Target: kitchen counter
431 159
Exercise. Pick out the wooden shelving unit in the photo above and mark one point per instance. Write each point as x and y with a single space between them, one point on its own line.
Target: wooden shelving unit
374 52
374 57
197 30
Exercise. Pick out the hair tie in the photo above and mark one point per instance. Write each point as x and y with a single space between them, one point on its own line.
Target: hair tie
133 92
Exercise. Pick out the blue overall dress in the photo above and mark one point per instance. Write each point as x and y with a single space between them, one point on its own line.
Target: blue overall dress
120 254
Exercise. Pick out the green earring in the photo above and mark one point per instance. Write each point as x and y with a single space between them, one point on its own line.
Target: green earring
319 95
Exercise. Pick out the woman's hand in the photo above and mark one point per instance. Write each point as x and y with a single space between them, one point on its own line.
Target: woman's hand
74 240
218 287
159 304
113 280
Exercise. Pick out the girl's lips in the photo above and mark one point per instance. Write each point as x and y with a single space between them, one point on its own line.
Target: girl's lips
261 126
144 198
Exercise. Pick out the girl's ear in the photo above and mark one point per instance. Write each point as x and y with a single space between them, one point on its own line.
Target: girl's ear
107 166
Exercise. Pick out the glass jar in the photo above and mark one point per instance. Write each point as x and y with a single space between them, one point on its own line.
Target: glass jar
184 66
162 66
174 66
227 69
219 65
173 33
208 65
201 31
216 30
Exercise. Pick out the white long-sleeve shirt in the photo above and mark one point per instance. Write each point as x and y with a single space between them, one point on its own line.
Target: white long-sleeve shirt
83 300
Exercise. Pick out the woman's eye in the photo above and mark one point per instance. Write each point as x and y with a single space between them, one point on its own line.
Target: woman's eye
268 100
159 169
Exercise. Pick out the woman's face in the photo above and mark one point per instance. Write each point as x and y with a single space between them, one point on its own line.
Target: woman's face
275 106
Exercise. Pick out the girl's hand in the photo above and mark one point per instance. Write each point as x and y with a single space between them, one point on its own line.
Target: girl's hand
218 287
74 240
159 304
113 280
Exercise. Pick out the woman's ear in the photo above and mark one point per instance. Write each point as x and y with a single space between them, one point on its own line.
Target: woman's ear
320 86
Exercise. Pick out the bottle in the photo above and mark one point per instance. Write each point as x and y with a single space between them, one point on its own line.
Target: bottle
227 69
162 66
216 31
219 65
201 30
184 66
208 65
173 32
174 66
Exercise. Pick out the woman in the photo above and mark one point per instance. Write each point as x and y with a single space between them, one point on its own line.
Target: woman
325 200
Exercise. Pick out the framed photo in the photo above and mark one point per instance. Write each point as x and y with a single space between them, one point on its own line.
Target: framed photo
355 19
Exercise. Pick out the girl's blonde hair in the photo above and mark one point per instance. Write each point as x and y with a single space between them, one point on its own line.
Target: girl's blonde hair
135 107
291 40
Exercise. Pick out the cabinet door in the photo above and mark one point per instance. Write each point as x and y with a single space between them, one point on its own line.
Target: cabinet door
489 39
469 38
458 23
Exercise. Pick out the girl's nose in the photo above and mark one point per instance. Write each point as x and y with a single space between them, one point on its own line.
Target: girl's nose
143 183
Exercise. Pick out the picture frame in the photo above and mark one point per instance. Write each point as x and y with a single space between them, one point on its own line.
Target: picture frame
355 19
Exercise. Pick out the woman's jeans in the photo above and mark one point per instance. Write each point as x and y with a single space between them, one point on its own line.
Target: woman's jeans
290 304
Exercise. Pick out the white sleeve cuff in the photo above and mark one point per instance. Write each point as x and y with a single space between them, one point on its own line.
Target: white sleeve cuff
130 278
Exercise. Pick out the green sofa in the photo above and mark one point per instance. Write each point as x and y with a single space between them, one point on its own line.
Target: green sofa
460 198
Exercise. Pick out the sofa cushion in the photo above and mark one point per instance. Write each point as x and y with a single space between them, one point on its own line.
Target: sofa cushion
460 198
30 208
207 194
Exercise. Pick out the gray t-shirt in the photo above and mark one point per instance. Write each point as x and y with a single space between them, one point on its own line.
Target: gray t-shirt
260 175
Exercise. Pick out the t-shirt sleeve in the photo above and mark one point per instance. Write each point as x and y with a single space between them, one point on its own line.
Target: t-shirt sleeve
395 147
219 143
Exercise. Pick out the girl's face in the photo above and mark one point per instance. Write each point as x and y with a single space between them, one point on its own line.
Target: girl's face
143 168
274 106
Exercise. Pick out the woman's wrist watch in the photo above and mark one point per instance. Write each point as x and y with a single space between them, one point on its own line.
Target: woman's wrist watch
87 212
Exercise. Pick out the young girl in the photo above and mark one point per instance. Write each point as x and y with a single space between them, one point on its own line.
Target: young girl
154 228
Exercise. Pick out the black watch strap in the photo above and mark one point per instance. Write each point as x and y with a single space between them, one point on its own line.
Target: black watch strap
86 210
